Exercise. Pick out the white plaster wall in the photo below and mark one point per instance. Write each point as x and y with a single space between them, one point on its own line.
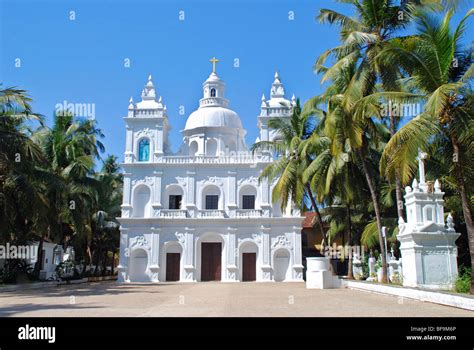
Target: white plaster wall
246 237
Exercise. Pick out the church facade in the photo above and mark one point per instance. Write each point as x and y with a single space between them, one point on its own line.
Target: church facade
202 214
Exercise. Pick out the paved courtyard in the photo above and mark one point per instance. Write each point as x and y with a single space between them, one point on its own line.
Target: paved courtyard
210 299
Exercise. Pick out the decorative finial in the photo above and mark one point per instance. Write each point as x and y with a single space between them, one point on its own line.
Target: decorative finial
131 99
401 225
160 99
450 222
276 75
149 77
214 61
437 186
264 101
415 185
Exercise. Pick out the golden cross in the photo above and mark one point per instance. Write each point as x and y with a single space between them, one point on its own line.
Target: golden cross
214 61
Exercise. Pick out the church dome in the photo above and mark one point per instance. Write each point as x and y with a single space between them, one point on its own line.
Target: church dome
213 111
213 116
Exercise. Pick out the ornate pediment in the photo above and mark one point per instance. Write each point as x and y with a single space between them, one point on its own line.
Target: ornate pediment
249 180
281 242
212 180
148 180
144 132
139 242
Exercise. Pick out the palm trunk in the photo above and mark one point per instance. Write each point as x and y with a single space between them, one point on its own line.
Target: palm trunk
87 256
378 216
104 263
97 262
39 257
466 210
399 196
112 272
319 219
398 183
350 274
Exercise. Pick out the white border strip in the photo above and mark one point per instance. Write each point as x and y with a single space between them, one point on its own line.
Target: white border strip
458 301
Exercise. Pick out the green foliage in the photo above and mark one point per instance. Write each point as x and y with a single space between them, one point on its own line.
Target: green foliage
13 268
48 184
463 281
365 266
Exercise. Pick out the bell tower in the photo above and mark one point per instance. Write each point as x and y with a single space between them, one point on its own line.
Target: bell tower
276 107
147 127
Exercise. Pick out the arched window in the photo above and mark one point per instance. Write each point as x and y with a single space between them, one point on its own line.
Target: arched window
173 197
247 197
211 198
193 148
211 148
213 92
144 150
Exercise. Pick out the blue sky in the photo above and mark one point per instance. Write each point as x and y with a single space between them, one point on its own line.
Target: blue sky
82 61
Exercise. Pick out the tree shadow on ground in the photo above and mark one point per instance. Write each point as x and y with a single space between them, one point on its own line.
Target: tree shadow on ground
12 310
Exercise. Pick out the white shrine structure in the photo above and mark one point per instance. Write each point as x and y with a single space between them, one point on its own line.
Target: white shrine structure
427 245
202 214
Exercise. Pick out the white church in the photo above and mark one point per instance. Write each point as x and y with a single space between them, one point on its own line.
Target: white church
201 214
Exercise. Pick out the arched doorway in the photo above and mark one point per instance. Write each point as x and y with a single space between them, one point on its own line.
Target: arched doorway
210 248
281 264
173 262
138 266
248 261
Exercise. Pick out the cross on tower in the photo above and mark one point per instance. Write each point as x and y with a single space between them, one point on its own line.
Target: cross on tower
214 61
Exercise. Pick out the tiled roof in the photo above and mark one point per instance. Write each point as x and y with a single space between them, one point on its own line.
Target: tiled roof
308 221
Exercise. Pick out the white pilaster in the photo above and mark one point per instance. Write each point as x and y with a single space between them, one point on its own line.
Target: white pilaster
189 264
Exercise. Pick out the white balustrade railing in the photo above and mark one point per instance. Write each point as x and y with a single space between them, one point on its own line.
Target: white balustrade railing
248 213
237 159
210 213
173 213
207 214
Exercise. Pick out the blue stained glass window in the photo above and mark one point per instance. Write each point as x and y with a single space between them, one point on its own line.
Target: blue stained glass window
144 150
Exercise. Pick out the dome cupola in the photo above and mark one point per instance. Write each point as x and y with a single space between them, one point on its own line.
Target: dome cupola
213 122
213 108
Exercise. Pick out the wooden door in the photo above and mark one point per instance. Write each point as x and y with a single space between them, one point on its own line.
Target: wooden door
172 267
249 266
211 261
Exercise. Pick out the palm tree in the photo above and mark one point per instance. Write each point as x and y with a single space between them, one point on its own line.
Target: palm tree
353 132
441 70
104 225
290 162
363 37
71 147
22 203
